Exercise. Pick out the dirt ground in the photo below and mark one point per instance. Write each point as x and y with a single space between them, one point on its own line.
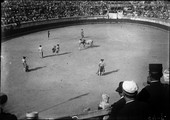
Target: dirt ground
67 83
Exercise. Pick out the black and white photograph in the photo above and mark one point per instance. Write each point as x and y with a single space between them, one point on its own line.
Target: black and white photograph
84 60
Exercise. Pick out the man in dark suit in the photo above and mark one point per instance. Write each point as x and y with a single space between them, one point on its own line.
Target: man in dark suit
133 109
115 107
5 115
154 93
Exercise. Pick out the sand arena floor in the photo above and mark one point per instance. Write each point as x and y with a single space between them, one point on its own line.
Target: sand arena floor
67 83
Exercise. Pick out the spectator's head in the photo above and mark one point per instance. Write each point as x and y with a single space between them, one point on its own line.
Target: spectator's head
166 75
3 98
105 98
102 59
130 89
155 71
3 101
119 88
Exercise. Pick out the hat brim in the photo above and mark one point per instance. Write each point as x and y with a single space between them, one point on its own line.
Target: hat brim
130 94
119 90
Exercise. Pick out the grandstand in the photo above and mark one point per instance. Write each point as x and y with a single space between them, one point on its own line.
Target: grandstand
20 17
18 11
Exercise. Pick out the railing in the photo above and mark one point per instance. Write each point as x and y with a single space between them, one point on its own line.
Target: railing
84 116
56 20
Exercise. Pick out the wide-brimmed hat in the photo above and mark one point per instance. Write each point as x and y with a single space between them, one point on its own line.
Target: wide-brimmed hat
119 88
130 88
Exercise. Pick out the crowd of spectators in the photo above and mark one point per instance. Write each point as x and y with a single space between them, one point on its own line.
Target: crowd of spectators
151 103
15 11
20 11
154 9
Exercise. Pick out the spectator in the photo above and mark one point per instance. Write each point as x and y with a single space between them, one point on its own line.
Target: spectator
133 109
166 76
166 94
17 12
154 93
104 104
119 104
5 115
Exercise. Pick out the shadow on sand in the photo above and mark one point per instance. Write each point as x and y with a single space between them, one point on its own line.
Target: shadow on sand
57 54
34 69
64 53
87 47
106 73
94 46
64 102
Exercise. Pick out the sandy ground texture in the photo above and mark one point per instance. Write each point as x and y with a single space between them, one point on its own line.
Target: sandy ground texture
67 84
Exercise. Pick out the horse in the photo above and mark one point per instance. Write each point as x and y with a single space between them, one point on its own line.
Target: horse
89 42
85 42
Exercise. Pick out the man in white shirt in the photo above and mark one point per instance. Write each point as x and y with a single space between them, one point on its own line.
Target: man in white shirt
40 49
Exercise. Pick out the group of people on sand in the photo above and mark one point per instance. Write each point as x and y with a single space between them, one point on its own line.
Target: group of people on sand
55 50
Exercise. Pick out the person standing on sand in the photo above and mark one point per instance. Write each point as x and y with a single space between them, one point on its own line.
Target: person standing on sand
82 33
101 68
24 62
48 34
40 49
57 48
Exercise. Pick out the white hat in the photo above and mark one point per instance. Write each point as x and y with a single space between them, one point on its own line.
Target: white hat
130 88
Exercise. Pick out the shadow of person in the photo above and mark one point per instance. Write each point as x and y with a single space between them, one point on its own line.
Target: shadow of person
64 53
57 54
93 46
106 73
49 55
37 68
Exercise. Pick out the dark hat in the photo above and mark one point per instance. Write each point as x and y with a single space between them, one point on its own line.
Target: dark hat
155 68
119 88
3 98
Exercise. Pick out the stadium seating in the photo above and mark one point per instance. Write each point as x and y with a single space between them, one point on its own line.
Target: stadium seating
17 12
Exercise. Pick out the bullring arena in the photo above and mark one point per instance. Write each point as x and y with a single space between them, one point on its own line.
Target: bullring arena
67 83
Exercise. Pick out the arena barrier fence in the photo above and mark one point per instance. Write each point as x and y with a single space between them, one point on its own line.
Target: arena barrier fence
15 30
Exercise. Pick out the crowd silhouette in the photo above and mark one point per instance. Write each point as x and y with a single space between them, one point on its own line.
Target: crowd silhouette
21 11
